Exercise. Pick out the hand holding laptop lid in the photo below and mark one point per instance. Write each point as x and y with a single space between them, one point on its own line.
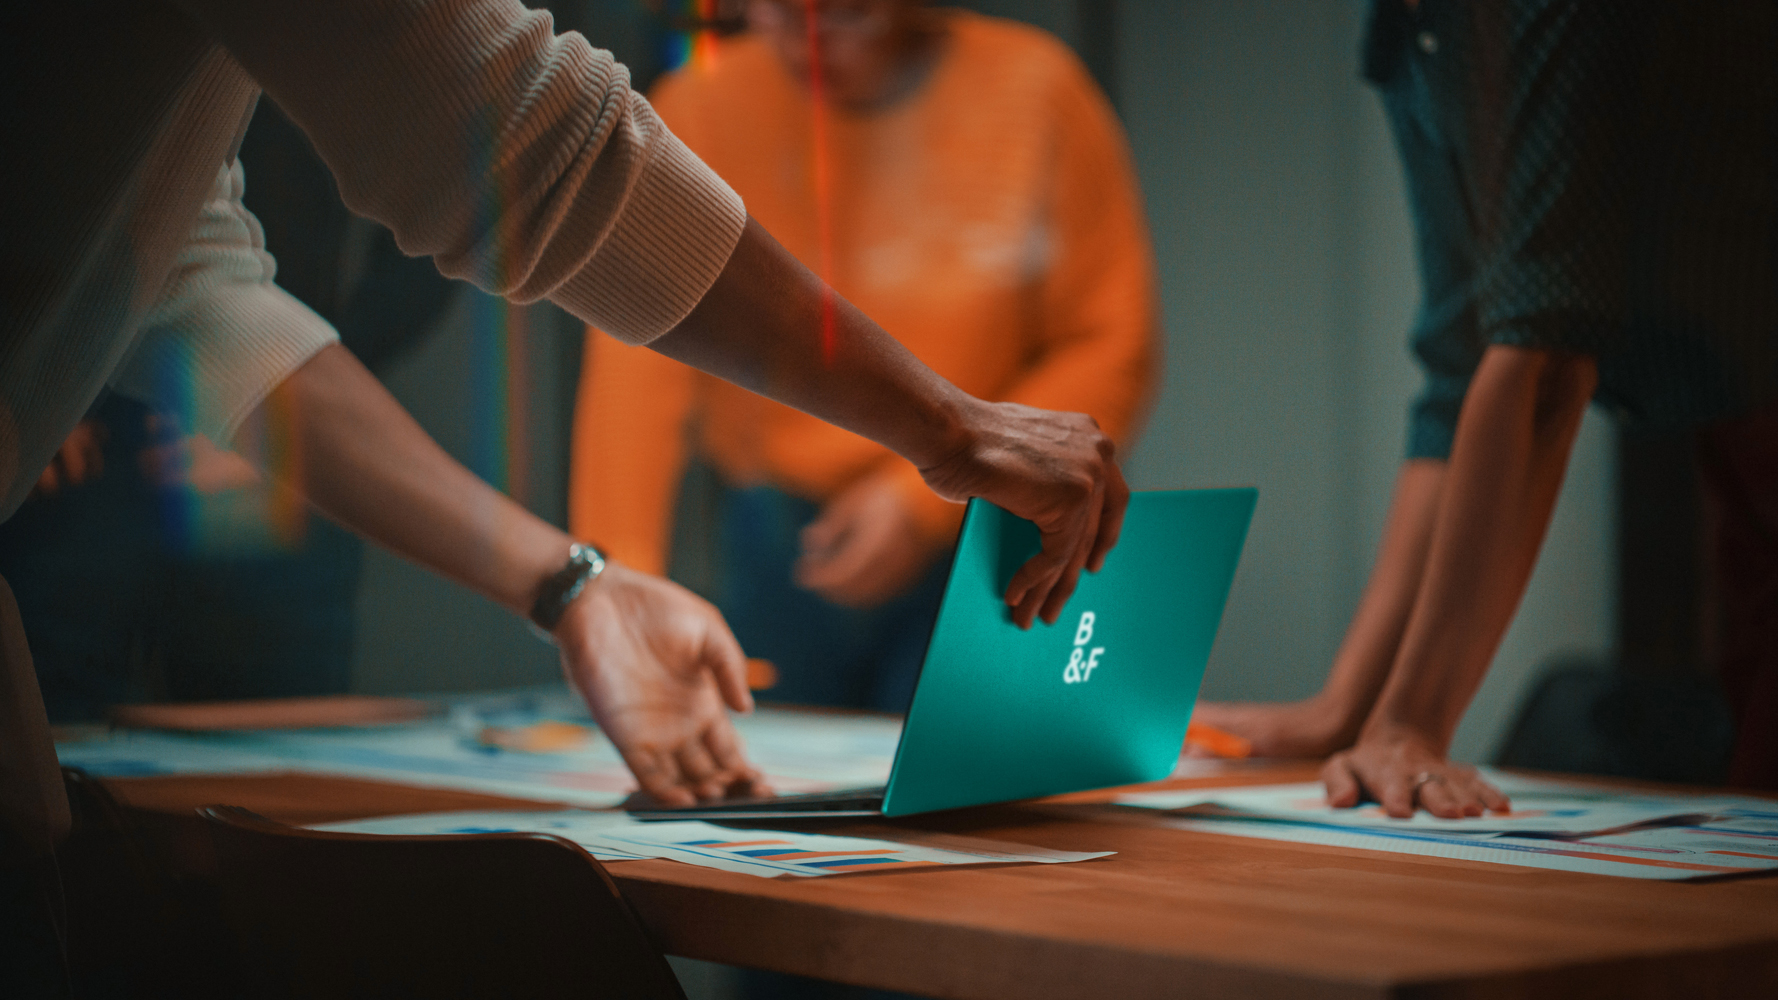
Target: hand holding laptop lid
1055 470
771 326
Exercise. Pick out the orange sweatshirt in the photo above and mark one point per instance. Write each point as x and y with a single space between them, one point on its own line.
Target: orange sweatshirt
989 221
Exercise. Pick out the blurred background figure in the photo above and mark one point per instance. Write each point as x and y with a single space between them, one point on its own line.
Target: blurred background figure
149 564
1595 190
962 180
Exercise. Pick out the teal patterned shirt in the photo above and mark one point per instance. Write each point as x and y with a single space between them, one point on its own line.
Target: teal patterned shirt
1590 176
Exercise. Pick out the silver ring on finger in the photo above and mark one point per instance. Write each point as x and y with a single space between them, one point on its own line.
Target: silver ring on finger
1426 777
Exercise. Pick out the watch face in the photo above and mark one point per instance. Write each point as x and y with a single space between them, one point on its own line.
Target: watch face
562 587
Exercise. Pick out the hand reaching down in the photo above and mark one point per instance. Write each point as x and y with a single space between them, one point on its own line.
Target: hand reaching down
1056 470
867 547
1401 768
657 666
80 458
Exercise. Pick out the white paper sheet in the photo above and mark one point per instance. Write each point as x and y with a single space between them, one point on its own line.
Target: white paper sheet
799 751
614 836
772 853
1728 845
1538 807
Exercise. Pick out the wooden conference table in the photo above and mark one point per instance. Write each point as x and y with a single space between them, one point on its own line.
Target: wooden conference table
1173 914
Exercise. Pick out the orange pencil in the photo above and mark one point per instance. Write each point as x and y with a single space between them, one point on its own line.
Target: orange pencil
1216 741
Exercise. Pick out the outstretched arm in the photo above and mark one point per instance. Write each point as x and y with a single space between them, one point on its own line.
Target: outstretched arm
1514 436
655 663
1330 720
761 327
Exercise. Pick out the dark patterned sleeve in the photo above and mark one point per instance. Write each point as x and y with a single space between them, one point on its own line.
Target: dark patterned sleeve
1554 92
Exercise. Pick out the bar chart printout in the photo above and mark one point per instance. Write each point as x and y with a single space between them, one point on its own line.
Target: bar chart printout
771 854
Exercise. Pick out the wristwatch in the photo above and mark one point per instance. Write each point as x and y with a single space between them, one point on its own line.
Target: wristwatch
584 565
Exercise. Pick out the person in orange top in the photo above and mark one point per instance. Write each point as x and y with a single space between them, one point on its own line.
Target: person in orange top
982 207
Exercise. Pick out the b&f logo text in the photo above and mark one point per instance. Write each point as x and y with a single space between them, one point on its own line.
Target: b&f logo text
1082 661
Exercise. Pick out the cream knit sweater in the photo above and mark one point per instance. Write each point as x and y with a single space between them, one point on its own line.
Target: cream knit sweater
518 159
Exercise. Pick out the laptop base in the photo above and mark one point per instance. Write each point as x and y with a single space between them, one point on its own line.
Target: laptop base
849 802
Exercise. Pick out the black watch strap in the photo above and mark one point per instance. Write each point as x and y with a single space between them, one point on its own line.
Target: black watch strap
584 565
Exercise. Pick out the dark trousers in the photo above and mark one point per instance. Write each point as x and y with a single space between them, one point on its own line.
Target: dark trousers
825 654
1738 465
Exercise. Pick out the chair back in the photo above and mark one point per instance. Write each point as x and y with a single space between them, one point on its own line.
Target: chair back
485 915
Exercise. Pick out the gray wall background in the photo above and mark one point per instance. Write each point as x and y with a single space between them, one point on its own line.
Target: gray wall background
1287 277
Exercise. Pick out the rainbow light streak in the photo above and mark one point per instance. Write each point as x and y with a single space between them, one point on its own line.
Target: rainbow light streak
823 189
242 518
697 48
499 450
499 447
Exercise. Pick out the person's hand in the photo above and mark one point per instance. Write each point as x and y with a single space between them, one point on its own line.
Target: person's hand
656 664
80 458
1313 727
192 460
1401 767
866 548
1055 470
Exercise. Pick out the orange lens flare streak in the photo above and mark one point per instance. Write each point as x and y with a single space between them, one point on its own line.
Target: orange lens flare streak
823 191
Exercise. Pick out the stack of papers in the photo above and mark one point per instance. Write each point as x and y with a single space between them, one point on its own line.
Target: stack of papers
798 751
614 836
1555 825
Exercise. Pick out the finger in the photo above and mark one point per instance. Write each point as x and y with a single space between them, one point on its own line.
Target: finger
822 534
838 568
1024 614
1492 798
1111 518
48 482
736 776
1059 594
1070 578
700 772
1441 798
726 662
1468 787
1397 795
74 464
1342 784
1037 572
726 749
658 774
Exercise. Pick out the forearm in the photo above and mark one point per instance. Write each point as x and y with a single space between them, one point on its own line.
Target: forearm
761 327
1362 665
364 462
1513 439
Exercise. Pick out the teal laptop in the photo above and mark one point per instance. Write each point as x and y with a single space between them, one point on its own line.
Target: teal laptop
1100 698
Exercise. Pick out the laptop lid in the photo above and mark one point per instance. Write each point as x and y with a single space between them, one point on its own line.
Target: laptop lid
1100 698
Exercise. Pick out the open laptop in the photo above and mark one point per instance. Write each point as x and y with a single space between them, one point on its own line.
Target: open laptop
1100 698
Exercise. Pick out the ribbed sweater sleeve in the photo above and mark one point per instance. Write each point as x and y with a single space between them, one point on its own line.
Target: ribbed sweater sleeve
221 335
519 159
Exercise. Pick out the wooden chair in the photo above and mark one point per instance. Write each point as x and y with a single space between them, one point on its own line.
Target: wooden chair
486 915
132 929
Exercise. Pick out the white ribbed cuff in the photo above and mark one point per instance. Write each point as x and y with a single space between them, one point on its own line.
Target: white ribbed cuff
680 224
224 354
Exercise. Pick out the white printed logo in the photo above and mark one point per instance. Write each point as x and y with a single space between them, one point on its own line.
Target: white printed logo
1081 662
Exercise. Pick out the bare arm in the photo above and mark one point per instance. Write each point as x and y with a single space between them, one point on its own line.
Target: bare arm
1330 721
655 663
761 327
1514 436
